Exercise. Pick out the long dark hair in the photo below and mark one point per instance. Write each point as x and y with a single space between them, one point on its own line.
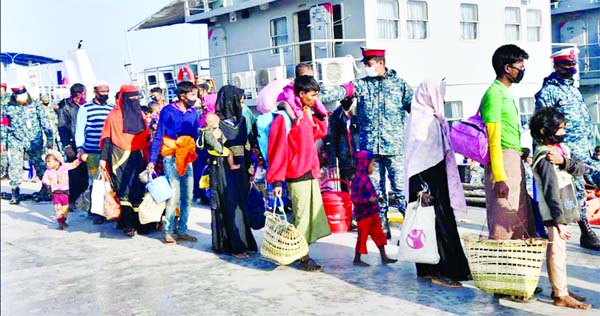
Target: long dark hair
547 118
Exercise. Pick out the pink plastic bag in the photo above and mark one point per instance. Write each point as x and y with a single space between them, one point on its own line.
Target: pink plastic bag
470 139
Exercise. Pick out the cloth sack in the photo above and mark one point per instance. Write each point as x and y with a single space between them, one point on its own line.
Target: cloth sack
256 207
418 242
149 210
97 195
470 139
112 206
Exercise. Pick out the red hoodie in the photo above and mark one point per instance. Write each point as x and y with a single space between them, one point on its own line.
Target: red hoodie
294 154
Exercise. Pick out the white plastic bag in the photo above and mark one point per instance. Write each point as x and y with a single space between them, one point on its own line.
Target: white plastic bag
418 242
97 196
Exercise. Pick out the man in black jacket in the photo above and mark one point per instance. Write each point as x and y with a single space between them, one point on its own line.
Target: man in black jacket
67 118
343 141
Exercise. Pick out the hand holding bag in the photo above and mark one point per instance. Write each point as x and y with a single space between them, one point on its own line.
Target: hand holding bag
282 243
418 242
112 206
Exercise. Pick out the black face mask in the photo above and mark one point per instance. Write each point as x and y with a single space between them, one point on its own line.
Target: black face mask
519 77
556 139
102 98
189 104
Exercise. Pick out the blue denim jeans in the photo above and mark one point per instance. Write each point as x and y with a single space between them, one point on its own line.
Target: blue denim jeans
183 189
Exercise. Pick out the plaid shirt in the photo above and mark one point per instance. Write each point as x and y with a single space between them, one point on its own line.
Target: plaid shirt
363 189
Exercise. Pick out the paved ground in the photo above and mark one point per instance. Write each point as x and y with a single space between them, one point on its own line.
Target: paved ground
95 270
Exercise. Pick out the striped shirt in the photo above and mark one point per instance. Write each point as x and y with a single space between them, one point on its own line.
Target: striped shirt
90 121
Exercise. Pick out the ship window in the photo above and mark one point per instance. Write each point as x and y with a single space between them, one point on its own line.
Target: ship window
279 33
534 25
388 19
453 111
469 21
526 107
512 23
417 20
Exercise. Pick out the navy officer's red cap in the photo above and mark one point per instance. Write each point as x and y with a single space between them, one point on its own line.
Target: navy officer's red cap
372 52
19 90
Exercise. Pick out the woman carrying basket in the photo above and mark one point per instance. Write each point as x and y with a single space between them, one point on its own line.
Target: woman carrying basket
430 163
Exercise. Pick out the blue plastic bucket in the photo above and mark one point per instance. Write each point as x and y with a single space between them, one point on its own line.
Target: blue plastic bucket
160 189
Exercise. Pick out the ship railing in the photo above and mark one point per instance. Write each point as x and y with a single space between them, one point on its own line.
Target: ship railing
245 61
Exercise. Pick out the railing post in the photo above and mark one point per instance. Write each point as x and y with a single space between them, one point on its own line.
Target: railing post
224 71
282 61
251 69
312 57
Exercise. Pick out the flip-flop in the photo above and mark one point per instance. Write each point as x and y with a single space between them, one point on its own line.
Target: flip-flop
521 299
569 301
310 266
573 295
446 282
240 255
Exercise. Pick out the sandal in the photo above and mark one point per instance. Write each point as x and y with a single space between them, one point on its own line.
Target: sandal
573 295
569 301
521 299
242 255
310 265
446 282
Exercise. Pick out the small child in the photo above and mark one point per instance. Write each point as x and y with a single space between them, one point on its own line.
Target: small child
56 177
215 139
553 171
366 210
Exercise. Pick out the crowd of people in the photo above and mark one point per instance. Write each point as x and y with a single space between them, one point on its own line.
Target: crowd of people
375 138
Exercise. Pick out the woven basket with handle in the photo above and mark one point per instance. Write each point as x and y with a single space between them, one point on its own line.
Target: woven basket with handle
282 243
509 267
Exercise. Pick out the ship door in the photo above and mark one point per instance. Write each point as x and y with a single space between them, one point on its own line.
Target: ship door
314 23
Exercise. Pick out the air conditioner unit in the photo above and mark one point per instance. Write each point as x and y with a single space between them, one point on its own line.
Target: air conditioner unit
264 76
245 80
335 71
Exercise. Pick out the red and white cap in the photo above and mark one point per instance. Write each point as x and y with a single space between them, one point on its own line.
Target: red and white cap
372 52
19 90
565 55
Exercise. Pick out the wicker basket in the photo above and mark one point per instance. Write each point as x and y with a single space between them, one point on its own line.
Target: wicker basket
510 267
281 243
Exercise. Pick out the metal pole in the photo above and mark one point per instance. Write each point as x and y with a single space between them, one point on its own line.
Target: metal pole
312 52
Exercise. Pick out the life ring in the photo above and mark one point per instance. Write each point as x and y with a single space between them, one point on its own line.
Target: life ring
188 71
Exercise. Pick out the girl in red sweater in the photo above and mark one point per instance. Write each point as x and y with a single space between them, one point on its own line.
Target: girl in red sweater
293 158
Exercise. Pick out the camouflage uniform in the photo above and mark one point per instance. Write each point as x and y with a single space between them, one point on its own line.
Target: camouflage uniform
4 154
53 121
382 108
25 134
561 94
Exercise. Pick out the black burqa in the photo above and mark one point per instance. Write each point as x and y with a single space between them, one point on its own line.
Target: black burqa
231 231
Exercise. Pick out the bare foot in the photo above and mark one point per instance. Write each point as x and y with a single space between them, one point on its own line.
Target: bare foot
568 301
360 263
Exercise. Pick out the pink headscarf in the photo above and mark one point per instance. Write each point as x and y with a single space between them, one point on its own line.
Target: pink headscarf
426 141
